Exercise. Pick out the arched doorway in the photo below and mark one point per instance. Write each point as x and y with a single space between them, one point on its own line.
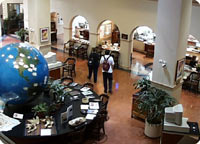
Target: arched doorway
142 50
57 31
141 35
192 57
80 29
108 34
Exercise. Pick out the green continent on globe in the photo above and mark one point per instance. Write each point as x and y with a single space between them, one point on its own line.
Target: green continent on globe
25 61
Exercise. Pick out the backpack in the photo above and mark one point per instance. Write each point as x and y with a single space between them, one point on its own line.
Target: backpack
106 65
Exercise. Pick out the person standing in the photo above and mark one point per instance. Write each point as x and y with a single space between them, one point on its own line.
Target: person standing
107 69
93 65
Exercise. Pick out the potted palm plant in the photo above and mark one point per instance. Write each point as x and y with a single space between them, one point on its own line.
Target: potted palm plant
152 101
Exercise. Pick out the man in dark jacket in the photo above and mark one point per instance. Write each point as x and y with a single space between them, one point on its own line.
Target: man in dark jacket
93 65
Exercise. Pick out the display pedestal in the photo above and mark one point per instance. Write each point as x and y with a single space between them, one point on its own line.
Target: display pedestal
55 73
174 137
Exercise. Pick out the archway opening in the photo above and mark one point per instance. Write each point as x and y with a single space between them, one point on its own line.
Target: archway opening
142 50
142 35
80 29
108 34
192 57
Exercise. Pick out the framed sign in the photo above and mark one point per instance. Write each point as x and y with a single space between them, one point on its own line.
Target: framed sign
124 36
179 69
44 32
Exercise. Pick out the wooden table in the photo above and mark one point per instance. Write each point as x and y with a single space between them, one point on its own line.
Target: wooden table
55 73
18 133
173 137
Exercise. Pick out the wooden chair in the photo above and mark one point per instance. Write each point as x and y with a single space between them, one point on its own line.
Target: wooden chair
104 99
84 48
66 80
71 48
97 125
192 81
78 51
78 136
88 84
115 55
66 48
69 66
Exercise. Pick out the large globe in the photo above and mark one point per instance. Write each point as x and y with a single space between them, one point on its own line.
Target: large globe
23 73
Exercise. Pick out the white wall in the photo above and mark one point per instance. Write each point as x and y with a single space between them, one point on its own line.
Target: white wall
195 22
37 17
126 14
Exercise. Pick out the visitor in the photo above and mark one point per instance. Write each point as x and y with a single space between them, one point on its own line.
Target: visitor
93 65
107 69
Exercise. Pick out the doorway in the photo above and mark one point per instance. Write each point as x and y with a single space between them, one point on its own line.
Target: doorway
57 30
108 34
80 29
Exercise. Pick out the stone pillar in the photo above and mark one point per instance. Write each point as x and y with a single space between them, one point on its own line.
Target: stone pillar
37 17
125 53
173 21
67 34
93 38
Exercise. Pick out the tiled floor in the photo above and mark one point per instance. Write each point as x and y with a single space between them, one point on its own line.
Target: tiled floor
121 128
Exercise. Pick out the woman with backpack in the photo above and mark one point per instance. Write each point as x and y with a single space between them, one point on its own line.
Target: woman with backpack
107 69
93 65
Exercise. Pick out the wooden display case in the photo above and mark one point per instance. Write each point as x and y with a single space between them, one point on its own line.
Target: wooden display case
53 32
135 111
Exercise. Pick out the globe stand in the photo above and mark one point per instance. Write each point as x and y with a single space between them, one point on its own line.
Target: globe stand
10 109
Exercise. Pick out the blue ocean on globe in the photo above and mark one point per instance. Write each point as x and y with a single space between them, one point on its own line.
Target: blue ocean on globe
23 73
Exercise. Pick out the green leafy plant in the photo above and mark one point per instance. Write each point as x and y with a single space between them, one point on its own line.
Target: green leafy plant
22 33
58 92
152 101
142 84
41 109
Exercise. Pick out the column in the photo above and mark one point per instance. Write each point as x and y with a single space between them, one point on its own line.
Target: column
93 38
173 21
67 34
37 19
125 53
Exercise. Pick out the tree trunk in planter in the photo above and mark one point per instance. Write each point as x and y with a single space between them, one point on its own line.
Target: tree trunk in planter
152 130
